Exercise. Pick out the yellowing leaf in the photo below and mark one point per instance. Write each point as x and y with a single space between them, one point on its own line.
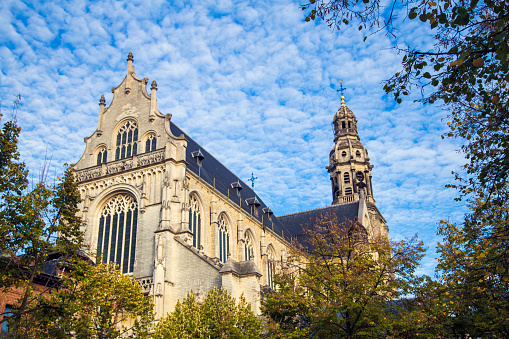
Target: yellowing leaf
479 62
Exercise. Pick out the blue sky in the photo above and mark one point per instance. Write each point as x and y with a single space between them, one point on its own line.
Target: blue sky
249 80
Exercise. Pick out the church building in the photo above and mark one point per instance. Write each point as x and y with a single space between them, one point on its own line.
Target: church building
174 217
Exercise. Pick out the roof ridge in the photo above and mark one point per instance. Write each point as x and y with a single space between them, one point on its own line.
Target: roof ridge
314 209
210 154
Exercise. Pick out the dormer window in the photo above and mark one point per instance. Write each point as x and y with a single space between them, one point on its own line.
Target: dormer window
268 212
102 156
343 124
358 154
343 154
198 156
237 187
150 143
254 203
127 140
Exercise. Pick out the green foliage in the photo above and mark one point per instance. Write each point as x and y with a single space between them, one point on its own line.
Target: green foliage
217 316
30 221
467 69
475 276
94 302
344 286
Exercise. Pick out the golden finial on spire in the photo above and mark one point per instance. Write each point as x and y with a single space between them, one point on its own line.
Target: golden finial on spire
342 90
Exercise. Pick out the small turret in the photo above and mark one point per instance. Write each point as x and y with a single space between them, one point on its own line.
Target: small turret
130 71
153 101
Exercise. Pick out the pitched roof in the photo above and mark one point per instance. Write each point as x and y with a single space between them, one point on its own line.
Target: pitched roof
219 176
297 222
216 174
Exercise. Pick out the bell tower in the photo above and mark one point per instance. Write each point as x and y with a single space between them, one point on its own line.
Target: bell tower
349 167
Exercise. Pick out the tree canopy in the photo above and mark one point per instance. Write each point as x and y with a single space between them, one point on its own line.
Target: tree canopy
35 222
342 284
95 301
217 316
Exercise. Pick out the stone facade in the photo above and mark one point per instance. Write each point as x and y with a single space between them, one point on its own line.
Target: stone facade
170 214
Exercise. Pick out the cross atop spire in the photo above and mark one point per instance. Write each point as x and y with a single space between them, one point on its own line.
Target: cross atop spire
253 178
342 90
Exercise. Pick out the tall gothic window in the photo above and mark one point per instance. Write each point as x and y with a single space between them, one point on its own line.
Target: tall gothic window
127 140
102 155
248 246
224 238
150 144
271 266
195 221
117 232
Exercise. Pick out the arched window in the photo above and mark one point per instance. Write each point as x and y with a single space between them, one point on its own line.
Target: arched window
271 267
224 238
248 246
358 154
102 156
150 144
343 124
347 177
195 221
127 140
117 232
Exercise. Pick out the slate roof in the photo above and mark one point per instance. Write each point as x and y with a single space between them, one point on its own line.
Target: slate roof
289 226
296 222
212 169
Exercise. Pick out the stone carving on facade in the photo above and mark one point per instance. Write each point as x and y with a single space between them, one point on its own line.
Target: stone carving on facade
128 111
119 166
150 158
147 285
88 174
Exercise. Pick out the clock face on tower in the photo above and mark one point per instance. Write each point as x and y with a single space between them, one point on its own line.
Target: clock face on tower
359 176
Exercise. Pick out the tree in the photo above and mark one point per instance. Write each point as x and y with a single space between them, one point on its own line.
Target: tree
217 316
467 70
94 302
474 277
342 285
35 222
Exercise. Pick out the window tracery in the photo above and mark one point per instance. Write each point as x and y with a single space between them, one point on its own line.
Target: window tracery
271 266
116 241
150 143
224 238
127 140
195 221
248 246
102 156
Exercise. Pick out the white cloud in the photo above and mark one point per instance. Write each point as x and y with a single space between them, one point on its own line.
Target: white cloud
251 82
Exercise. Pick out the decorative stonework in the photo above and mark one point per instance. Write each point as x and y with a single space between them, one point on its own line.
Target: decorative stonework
128 111
88 174
133 178
150 158
147 285
119 166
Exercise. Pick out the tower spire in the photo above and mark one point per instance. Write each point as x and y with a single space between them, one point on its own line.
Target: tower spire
349 167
